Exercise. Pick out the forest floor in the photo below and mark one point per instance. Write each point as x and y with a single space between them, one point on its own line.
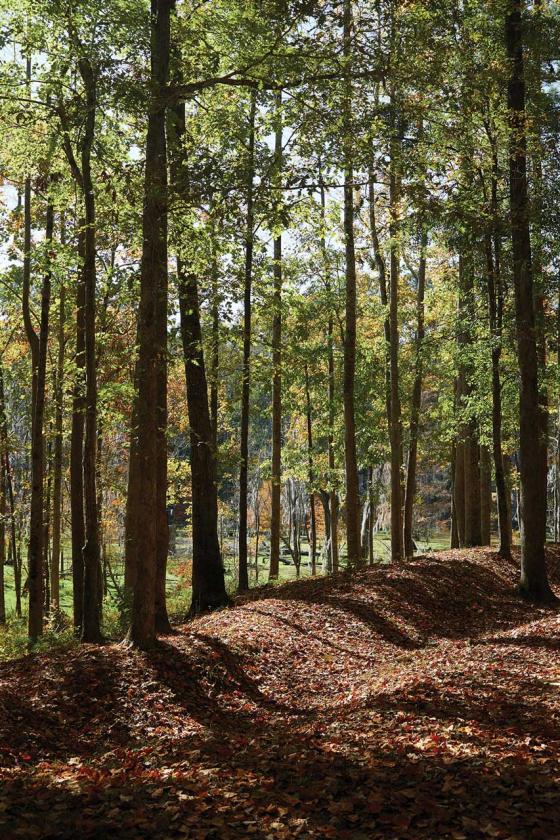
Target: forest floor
413 701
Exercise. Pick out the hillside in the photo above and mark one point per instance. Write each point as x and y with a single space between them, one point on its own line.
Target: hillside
419 701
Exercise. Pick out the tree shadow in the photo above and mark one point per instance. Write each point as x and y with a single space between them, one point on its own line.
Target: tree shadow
303 790
454 598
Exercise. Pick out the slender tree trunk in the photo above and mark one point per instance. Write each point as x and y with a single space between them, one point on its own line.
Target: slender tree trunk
495 313
13 527
39 349
208 572
327 558
557 478
47 526
351 462
473 534
467 450
454 540
332 539
276 476
485 496
208 585
76 449
415 402
379 262
5 493
163 625
534 583
243 583
537 244
3 455
91 619
372 506
143 520
459 492
57 459
311 476
215 354
397 533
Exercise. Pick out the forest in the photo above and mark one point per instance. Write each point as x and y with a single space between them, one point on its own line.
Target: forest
279 418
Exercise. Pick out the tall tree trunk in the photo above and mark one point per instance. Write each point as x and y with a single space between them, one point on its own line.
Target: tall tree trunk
163 625
57 458
467 450
3 486
459 492
47 526
473 535
208 584
557 471
485 496
77 448
91 619
332 538
276 476
13 527
39 350
5 493
243 583
379 262
534 583
372 510
208 572
454 538
351 462
537 243
415 401
311 475
215 354
495 317
397 533
143 520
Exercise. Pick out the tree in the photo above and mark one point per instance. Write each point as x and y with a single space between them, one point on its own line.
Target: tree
534 583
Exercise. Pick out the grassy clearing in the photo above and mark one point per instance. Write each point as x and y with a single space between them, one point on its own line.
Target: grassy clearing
13 638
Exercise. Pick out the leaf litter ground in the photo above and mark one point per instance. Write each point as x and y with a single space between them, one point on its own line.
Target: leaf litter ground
412 701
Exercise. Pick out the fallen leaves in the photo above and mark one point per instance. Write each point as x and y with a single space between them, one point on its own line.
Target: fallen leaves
417 701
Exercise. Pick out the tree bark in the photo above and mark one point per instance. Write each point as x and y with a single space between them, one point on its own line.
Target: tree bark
537 244
57 458
39 350
495 316
215 354
143 521
415 401
243 583
208 584
13 527
454 538
91 618
397 533
332 539
534 584
208 587
351 462
379 262
276 475
485 496
459 492
76 449
3 456
310 475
